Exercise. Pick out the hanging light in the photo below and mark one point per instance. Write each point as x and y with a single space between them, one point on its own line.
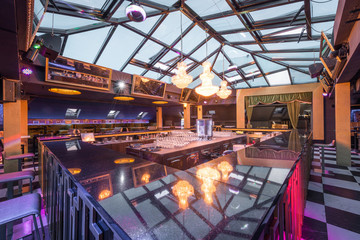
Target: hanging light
206 89
223 92
181 78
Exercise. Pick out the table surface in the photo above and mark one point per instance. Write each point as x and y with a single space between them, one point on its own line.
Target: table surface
139 194
192 145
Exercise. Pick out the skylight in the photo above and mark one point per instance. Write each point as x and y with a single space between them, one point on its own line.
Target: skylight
279 78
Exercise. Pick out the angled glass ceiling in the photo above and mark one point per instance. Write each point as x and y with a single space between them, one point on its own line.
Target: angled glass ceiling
258 41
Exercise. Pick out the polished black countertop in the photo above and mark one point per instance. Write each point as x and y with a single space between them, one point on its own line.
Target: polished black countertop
140 196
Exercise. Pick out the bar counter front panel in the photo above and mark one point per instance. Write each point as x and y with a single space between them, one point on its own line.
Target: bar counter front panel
94 191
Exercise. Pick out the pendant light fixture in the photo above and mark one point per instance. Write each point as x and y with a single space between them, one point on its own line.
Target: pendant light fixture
181 78
206 89
223 93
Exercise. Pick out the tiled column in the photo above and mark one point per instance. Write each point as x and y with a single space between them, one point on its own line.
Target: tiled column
199 112
159 119
186 115
342 124
15 126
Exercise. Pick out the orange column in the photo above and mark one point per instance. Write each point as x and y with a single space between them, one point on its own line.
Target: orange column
159 119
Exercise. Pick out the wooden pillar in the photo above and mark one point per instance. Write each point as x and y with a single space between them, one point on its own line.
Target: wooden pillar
15 126
199 112
159 119
342 124
187 115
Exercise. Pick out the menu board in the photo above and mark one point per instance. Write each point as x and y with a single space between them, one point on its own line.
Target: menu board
148 87
76 73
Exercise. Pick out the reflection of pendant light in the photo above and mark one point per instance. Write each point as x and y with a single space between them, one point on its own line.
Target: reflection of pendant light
206 89
181 78
223 92
208 175
183 189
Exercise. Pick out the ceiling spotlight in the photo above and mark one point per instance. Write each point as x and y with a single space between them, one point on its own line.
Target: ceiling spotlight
121 85
135 12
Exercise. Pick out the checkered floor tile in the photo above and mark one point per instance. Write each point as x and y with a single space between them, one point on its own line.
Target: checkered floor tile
333 201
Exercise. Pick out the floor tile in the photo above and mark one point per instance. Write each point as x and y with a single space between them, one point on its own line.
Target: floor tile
336 233
315 211
314 178
342 203
315 186
339 171
336 175
342 192
314 230
343 219
341 183
314 196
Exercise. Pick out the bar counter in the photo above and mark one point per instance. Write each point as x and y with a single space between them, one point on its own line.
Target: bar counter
118 196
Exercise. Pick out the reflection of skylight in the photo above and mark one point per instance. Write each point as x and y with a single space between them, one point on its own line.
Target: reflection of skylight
234 78
112 114
72 113
279 78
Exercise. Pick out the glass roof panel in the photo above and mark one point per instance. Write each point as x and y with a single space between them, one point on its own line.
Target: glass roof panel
148 51
292 45
131 69
84 46
226 23
292 31
279 78
145 26
65 22
191 40
251 71
323 8
195 83
275 12
152 74
121 12
168 3
200 54
240 85
208 7
273 30
299 77
293 55
216 81
306 63
196 72
234 78
237 56
238 37
169 29
254 47
258 82
120 47
326 27
267 66
89 3
38 8
218 66
170 58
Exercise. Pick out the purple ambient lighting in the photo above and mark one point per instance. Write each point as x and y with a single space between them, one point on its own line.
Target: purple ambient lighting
135 13
325 94
26 71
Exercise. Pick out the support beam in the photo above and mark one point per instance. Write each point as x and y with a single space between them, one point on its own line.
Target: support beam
342 124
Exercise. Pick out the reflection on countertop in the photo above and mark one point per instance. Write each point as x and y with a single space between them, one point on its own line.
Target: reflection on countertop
226 197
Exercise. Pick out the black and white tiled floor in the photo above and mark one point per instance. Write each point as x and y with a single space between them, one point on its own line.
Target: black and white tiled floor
333 200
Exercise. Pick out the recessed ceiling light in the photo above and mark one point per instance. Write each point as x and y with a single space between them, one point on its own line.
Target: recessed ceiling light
124 98
64 91
159 102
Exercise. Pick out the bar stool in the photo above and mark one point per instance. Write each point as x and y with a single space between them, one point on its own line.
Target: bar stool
20 158
17 176
19 208
322 152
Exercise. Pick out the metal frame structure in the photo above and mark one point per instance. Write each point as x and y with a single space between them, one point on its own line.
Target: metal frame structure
280 29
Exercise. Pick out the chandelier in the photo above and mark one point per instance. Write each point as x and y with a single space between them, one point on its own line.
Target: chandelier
181 78
223 92
206 89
